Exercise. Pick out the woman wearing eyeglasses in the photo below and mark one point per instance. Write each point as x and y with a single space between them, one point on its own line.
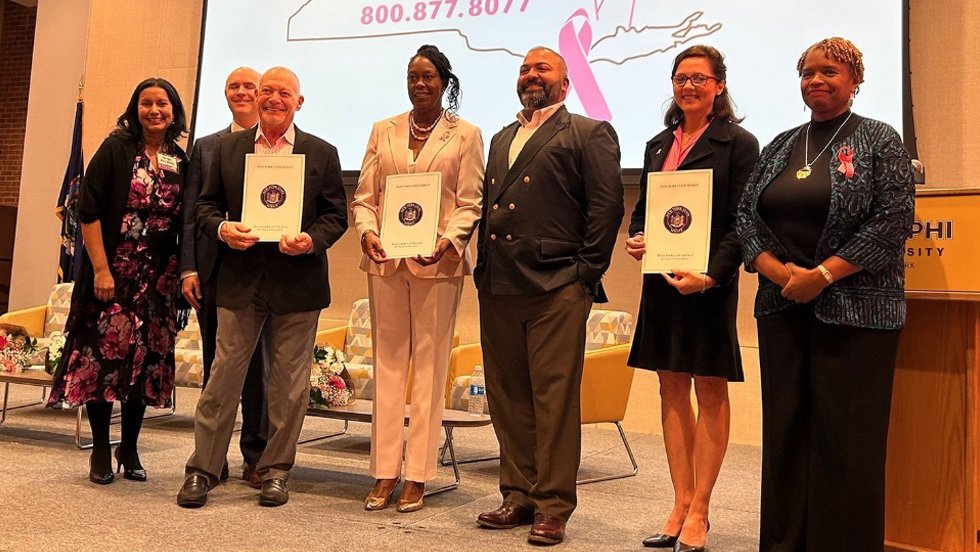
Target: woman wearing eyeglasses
824 221
686 324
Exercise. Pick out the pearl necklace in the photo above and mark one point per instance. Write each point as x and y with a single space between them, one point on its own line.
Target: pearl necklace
421 133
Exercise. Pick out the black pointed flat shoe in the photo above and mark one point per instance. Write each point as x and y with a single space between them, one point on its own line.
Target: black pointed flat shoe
660 540
681 547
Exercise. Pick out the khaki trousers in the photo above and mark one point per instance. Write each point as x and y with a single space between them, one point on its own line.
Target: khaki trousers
534 352
290 350
413 321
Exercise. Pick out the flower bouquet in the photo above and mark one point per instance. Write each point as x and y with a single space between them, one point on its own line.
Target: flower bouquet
56 343
17 349
330 383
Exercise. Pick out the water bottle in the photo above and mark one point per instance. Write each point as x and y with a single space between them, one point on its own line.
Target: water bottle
477 392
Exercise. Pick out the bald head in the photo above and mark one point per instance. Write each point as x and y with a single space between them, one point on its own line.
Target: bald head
281 73
556 59
279 99
543 80
241 88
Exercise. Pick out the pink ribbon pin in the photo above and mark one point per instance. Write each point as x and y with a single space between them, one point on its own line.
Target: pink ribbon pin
846 157
575 47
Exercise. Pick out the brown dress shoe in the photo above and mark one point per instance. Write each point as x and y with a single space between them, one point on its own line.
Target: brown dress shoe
508 516
250 475
546 530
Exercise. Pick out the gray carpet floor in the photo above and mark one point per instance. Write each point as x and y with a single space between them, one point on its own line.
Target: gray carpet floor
47 502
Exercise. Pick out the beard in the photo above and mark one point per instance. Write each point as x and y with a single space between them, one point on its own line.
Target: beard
537 99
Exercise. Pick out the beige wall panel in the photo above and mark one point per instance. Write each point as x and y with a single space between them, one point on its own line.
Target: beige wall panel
945 39
121 55
59 61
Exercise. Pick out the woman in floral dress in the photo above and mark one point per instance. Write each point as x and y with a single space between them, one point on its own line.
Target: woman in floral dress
124 313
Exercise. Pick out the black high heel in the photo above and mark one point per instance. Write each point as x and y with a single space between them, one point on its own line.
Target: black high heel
681 547
135 474
99 478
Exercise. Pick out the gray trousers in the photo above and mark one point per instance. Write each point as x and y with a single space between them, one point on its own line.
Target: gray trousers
290 350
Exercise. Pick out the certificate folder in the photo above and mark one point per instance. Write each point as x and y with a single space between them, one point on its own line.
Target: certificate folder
411 214
272 199
677 231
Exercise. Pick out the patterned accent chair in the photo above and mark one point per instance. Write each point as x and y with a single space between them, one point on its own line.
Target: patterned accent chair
189 355
606 379
356 339
42 321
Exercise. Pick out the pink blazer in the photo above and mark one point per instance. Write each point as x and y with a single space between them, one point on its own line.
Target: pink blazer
454 149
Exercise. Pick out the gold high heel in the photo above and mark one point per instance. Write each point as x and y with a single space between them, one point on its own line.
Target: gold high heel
404 505
375 500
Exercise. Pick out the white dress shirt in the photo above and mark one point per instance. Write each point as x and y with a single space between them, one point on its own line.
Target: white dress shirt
528 128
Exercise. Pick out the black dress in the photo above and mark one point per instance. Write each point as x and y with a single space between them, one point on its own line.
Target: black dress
696 333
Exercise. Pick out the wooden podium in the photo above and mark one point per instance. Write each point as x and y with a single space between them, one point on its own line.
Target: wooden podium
932 477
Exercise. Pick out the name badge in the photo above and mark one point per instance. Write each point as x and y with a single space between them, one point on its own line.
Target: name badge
167 162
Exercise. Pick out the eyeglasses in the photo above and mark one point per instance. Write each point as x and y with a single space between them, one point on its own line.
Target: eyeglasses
697 79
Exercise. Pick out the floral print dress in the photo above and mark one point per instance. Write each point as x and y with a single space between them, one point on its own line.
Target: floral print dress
123 350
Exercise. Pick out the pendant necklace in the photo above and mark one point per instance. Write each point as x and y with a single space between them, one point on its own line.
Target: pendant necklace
804 172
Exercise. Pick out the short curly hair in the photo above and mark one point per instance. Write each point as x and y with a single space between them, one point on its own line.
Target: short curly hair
838 49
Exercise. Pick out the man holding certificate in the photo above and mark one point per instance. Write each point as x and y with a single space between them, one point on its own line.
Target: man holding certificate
266 280
553 205
417 202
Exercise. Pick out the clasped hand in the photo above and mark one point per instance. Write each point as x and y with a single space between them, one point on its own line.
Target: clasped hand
237 235
442 246
689 282
240 237
683 281
802 285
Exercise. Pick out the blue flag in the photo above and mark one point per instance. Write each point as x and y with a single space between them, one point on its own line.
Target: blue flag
67 211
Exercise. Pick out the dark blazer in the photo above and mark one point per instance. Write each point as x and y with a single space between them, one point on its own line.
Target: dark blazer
103 194
199 251
553 217
290 283
731 152
870 218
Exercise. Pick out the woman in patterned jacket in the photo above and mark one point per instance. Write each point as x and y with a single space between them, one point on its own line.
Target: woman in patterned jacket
823 220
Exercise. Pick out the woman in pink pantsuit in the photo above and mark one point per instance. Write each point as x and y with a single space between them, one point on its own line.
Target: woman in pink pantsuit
414 301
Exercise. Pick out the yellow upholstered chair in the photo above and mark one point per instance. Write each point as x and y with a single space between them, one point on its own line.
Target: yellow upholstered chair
42 320
606 379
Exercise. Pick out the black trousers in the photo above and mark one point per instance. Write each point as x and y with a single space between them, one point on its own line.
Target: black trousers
826 401
255 417
534 352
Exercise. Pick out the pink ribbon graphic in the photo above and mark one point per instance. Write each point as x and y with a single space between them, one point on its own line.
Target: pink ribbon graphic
575 47
846 157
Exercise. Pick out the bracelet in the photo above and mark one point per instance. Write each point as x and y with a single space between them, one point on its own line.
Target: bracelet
826 274
366 232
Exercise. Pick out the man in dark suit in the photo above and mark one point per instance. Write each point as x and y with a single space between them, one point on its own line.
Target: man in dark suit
553 203
280 286
198 271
